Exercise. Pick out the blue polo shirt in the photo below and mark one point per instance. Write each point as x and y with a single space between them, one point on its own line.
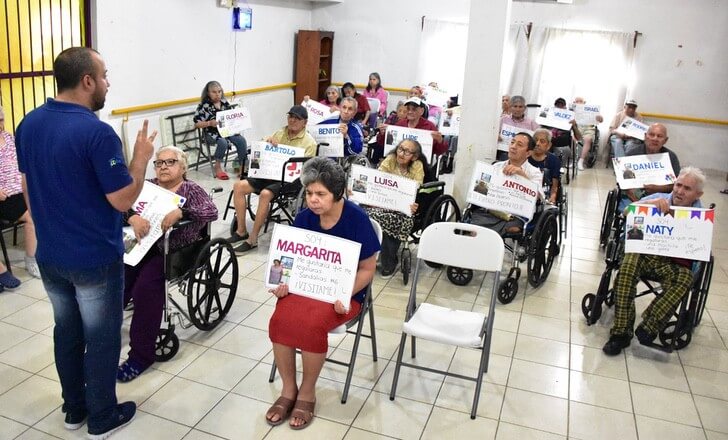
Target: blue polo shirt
71 160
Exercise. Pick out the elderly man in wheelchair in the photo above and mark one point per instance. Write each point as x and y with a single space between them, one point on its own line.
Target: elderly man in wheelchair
145 282
674 274
535 240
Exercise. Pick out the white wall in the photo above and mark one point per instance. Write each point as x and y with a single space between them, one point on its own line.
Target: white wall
165 50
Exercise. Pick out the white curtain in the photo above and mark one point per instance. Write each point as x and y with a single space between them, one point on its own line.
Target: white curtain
568 63
513 74
442 54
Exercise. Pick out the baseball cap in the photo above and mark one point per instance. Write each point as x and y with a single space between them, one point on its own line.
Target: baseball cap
631 102
415 101
298 111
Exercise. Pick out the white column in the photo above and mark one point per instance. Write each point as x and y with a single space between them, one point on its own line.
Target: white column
487 32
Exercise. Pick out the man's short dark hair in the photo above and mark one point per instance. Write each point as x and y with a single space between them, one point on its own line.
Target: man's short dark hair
71 66
531 140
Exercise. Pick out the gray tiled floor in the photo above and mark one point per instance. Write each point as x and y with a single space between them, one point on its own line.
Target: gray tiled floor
548 377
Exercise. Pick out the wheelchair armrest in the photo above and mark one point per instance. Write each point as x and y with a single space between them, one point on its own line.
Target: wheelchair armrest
430 185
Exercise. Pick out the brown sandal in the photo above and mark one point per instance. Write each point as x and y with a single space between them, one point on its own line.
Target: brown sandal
282 407
302 410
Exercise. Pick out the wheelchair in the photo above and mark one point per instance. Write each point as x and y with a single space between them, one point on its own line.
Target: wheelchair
537 244
611 218
593 154
284 206
677 334
206 274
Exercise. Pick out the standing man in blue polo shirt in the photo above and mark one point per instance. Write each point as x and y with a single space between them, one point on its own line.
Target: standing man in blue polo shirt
77 184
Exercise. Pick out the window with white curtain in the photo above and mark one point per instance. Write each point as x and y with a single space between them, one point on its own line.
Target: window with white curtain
443 46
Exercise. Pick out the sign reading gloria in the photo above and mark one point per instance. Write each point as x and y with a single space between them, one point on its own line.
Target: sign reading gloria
267 160
395 134
633 128
383 190
233 121
329 138
491 189
319 266
645 169
318 112
556 117
507 133
153 203
586 114
682 233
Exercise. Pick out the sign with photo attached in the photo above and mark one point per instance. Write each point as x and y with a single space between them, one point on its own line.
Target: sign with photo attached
644 169
491 189
372 187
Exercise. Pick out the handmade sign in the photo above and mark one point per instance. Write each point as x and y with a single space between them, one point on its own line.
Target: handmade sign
153 204
644 169
681 233
318 112
233 121
556 117
491 189
267 160
372 187
316 265
449 123
633 128
586 114
395 134
329 138
507 133
436 97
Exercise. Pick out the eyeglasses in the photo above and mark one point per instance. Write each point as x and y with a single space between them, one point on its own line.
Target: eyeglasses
167 162
405 151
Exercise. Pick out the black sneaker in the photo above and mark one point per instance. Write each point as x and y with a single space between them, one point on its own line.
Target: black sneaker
615 344
388 273
644 336
123 415
74 420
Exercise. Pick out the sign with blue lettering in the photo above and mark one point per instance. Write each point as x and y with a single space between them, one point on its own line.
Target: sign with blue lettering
645 169
267 161
633 128
556 117
681 233
395 134
507 133
586 114
329 138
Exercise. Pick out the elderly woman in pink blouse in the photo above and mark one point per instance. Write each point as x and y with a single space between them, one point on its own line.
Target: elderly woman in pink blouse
12 205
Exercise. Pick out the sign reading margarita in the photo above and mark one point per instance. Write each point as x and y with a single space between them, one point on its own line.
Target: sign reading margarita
507 133
395 134
633 128
329 138
316 265
645 169
233 121
267 161
556 117
372 187
586 114
153 204
681 233
318 112
491 189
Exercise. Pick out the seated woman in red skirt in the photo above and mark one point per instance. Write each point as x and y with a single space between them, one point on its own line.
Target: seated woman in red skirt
304 323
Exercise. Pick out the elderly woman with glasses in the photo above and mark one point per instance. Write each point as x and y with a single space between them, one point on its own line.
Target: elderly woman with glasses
303 323
407 161
144 283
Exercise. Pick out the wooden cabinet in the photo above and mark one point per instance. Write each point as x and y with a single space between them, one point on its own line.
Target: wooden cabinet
314 52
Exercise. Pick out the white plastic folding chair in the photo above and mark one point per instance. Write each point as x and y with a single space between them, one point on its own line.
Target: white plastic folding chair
458 245
358 321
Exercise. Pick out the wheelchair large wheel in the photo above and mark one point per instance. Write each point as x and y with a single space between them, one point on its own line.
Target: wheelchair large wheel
443 209
507 290
707 275
543 248
406 265
610 207
167 345
591 313
211 284
459 276
668 334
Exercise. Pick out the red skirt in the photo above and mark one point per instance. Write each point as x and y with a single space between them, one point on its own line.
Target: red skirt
304 323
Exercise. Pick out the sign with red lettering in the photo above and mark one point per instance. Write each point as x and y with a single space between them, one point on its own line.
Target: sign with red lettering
368 186
491 189
312 264
318 112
